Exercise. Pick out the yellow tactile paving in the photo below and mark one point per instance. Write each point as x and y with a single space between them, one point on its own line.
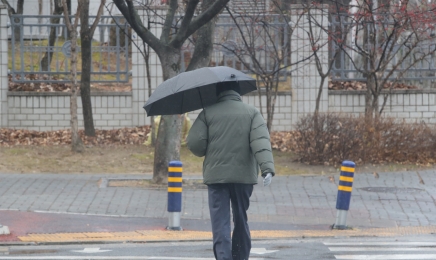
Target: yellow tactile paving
127 234
164 235
100 234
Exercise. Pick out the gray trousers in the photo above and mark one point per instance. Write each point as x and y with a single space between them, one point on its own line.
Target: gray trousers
220 196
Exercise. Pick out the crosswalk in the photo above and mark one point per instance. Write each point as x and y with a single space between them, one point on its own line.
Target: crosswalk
383 250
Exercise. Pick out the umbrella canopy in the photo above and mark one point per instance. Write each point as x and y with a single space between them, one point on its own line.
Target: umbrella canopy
194 90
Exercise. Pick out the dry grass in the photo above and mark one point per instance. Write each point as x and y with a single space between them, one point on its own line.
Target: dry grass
120 159
138 159
380 147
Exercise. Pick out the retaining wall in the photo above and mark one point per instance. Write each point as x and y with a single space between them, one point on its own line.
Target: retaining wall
50 111
46 111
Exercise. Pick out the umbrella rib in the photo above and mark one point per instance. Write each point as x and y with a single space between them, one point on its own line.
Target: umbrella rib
201 99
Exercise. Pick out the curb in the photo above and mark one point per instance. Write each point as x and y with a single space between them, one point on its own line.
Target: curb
196 236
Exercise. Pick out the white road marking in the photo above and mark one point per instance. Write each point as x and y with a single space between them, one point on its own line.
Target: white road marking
101 258
386 257
261 251
349 249
387 247
106 258
381 244
91 250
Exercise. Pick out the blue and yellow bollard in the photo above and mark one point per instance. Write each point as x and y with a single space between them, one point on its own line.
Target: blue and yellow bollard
344 194
174 195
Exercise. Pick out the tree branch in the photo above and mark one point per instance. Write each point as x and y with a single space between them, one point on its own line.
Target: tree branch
169 19
97 19
134 20
11 10
199 21
190 10
204 43
66 14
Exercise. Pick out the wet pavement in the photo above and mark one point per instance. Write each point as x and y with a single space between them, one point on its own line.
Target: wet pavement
81 203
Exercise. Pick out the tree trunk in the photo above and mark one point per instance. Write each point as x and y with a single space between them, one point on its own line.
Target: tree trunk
269 111
369 98
274 90
167 147
85 81
147 70
17 29
259 95
168 49
317 102
113 36
204 43
40 5
66 33
366 73
168 142
375 96
46 59
318 97
76 141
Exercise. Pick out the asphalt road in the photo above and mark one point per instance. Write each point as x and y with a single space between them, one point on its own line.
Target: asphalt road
345 248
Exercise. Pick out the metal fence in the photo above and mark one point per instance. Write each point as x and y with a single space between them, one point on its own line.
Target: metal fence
349 64
268 35
34 57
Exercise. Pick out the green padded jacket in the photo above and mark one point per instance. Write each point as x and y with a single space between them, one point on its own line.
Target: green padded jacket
234 139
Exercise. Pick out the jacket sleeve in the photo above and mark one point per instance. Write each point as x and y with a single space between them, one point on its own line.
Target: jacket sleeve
197 136
261 145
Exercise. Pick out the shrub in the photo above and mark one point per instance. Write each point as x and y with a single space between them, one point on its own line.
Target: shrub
333 138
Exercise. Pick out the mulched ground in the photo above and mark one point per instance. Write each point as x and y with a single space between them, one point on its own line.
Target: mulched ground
359 85
62 87
283 141
122 136
122 87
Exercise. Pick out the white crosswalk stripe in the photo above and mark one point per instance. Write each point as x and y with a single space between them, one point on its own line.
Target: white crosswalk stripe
383 250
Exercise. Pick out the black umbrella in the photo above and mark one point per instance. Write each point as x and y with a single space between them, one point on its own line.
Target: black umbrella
194 90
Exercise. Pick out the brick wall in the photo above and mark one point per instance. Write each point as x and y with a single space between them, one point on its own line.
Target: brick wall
50 111
46 111
410 105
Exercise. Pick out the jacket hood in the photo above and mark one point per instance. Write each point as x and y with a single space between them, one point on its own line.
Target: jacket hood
229 95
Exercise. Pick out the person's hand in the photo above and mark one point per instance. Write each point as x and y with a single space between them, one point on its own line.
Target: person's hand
267 179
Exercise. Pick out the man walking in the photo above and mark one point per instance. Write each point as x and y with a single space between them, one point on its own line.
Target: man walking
235 141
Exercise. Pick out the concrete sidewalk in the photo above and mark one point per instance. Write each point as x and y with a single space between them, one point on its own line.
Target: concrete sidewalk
396 201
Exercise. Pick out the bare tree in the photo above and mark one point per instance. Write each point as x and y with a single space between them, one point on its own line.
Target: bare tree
175 31
319 34
76 141
86 35
46 59
262 46
390 38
